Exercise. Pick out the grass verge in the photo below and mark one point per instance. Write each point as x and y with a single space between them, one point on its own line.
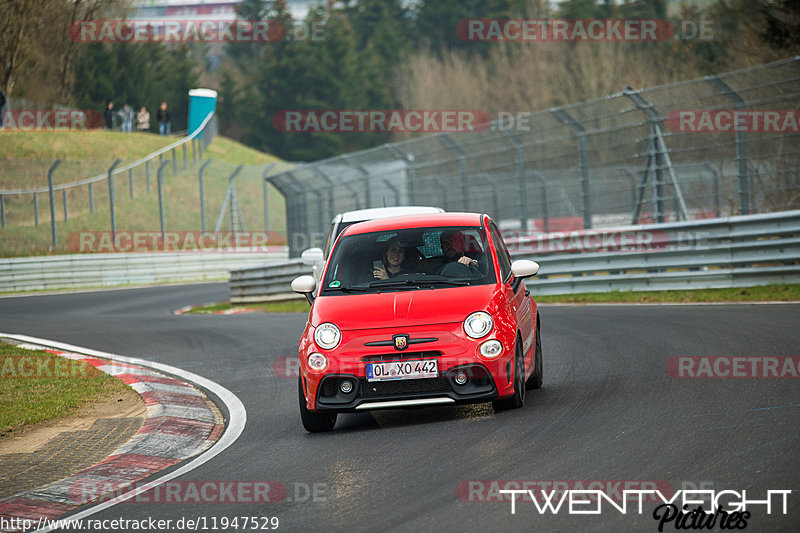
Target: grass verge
766 293
36 386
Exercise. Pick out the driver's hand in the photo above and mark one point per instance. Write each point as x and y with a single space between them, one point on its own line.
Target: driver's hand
464 260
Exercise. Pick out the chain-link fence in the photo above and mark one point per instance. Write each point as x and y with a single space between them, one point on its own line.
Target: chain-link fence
710 147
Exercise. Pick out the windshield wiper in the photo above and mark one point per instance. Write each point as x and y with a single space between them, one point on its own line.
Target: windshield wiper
342 288
394 283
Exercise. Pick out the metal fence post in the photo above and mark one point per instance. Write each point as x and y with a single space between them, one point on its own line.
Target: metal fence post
130 182
53 203
367 179
174 163
161 196
3 210
462 169
91 198
331 199
111 197
741 144
658 159
66 208
184 156
234 203
35 210
522 186
407 159
194 150
265 177
543 193
714 188
583 165
202 196
147 173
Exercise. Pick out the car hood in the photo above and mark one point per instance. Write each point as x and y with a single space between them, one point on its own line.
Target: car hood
402 308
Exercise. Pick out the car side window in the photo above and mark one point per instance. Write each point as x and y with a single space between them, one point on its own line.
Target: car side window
503 256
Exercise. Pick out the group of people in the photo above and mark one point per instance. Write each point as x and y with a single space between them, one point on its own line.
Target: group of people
126 117
398 259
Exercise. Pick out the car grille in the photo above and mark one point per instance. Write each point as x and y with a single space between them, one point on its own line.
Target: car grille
398 356
376 389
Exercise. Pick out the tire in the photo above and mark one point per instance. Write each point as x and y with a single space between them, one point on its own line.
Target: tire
517 400
535 381
313 422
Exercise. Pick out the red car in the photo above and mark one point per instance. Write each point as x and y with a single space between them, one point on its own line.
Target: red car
415 311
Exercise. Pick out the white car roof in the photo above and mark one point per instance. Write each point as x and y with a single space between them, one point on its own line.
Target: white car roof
384 212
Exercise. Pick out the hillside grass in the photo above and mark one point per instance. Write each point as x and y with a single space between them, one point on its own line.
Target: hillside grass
25 158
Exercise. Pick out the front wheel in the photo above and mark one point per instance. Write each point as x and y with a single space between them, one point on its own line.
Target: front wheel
535 381
313 422
518 398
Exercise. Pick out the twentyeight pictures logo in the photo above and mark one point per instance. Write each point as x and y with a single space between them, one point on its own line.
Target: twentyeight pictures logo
175 31
381 120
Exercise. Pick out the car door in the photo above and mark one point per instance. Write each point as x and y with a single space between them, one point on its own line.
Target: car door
519 300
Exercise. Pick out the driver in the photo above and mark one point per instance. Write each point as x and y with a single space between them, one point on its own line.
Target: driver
454 245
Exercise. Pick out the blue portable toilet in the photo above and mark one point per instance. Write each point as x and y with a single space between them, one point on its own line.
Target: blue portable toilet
201 103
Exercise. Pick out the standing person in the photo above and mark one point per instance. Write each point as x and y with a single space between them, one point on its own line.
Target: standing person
126 115
164 120
108 116
143 120
2 106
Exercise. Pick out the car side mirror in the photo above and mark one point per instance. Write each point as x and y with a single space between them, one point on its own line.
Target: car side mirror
305 285
523 268
312 256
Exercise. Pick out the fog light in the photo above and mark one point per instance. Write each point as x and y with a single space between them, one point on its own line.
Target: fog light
346 386
491 349
317 362
461 377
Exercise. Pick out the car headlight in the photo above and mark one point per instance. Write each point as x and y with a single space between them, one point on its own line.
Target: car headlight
317 362
327 336
491 349
478 325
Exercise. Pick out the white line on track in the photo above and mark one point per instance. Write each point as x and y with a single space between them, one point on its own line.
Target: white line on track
236 410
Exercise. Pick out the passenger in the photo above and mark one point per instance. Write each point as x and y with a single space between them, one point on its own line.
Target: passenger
395 261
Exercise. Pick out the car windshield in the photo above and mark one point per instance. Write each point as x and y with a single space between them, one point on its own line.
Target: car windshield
409 259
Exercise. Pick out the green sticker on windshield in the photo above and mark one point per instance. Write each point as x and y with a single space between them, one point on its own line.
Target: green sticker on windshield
334 284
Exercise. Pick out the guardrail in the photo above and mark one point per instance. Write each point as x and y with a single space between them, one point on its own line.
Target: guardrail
119 269
736 251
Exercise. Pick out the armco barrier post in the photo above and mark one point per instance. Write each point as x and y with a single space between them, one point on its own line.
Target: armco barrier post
161 195
202 196
111 197
53 203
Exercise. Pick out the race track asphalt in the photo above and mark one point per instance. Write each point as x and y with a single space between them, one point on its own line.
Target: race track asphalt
608 411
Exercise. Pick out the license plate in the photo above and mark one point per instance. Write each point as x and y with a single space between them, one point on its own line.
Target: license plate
391 370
